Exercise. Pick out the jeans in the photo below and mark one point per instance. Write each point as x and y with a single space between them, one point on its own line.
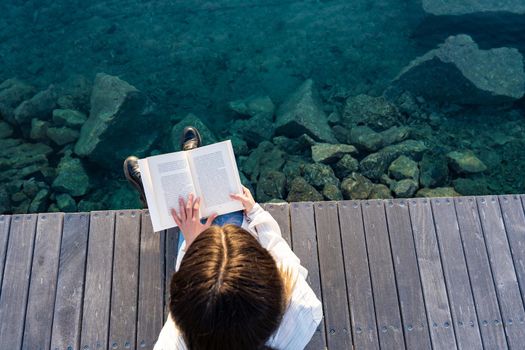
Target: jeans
234 218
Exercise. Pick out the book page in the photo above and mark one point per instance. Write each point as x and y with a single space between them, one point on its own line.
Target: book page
171 178
215 175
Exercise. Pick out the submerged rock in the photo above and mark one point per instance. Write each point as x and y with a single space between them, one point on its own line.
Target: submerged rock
342 134
12 93
5 201
300 191
290 146
302 113
254 106
334 118
318 175
18 159
465 162
39 106
437 192
121 122
346 166
66 203
365 138
403 168
375 112
459 72
493 23
86 206
123 197
246 182
38 129
264 158
5 130
471 187
461 7
63 135
72 177
328 153
22 206
404 188
294 167
68 117
255 129
375 165
39 202
394 134
369 140
31 187
271 186
240 147
176 132
75 93
433 170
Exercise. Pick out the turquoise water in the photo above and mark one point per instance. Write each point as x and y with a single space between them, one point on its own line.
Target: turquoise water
323 100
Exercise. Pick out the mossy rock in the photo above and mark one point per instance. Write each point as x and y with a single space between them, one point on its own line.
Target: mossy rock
356 186
302 191
318 175
329 153
465 162
403 168
437 192
332 193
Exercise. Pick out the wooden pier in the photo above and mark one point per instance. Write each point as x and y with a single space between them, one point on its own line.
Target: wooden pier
441 273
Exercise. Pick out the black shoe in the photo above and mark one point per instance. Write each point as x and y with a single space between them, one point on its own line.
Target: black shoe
132 173
190 138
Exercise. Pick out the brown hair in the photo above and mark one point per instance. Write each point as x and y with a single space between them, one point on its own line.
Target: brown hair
228 292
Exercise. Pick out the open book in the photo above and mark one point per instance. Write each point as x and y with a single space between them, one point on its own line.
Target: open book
210 172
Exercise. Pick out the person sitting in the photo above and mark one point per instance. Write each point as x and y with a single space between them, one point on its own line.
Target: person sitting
236 285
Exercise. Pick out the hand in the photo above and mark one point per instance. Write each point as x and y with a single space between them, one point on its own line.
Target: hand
188 219
246 199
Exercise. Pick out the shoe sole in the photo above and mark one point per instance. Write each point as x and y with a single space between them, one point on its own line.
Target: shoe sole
138 187
198 137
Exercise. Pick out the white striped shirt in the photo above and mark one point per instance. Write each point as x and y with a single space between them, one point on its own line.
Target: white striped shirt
304 312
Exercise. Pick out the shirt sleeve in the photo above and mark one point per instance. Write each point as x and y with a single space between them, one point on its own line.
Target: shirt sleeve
180 255
267 231
304 312
170 337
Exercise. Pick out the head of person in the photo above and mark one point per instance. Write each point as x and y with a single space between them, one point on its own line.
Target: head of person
229 292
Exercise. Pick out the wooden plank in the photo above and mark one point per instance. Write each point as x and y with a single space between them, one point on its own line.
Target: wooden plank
171 252
42 287
70 284
15 285
493 335
507 287
514 219
409 287
382 273
96 308
304 241
456 274
281 214
431 273
360 296
124 290
335 295
5 221
151 285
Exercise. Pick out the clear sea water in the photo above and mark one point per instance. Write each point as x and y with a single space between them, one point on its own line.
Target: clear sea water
196 57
